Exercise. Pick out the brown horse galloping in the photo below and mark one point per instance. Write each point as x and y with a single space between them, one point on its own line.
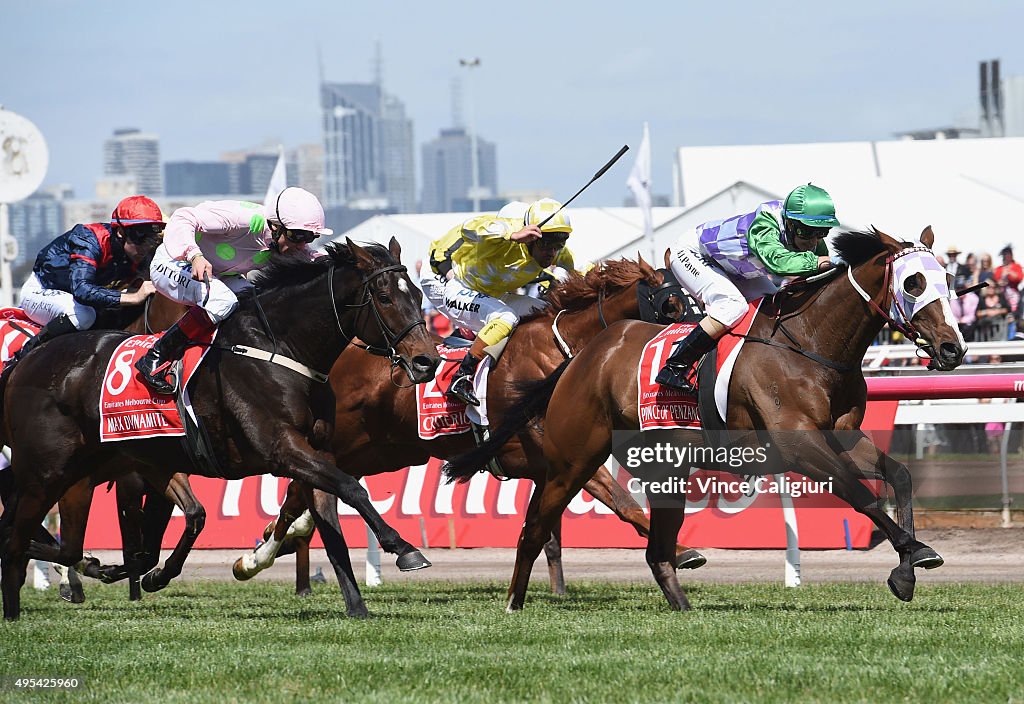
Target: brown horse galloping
376 430
802 387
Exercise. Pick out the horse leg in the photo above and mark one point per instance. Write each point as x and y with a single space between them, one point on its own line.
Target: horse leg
546 508
553 553
324 508
30 507
178 490
130 492
819 456
409 558
252 563
605 489
864 459
70 584
302 586
666 520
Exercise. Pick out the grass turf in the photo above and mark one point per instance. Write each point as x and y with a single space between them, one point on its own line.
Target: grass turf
433 641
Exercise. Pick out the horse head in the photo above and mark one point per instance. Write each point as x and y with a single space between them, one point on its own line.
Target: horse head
390 320
915 291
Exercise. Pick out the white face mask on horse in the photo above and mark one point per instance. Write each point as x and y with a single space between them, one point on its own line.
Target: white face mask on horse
906 265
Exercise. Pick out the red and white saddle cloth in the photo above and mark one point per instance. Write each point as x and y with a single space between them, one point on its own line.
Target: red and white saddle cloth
437 413
668 407
13 337
130 410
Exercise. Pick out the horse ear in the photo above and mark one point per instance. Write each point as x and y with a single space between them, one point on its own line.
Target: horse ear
927 237
395 249
645 268
891 243
362 257
668 257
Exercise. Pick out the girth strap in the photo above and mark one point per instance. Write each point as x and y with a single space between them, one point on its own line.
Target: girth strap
278 359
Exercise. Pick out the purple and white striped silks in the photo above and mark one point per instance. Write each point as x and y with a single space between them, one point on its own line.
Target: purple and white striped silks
725 242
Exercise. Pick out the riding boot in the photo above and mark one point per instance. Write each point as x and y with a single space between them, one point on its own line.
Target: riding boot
61 325
687 352
462 385
156 364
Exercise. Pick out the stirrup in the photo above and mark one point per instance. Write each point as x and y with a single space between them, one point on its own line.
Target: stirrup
671 375
465 395
162 379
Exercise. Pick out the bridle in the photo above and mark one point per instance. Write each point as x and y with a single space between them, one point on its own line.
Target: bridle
391 339
890 301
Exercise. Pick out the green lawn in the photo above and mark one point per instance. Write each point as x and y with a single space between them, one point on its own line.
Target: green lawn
453 642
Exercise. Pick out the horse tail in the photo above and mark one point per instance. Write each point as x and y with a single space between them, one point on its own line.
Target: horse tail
531 401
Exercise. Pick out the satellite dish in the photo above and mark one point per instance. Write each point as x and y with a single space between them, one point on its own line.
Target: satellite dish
23 157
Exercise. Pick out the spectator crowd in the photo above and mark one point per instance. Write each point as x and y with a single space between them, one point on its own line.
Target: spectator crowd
993 313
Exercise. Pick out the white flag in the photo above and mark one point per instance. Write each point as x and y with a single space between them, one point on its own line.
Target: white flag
639 182
278 179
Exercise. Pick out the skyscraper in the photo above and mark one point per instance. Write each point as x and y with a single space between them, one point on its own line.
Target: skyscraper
448 171
368 147
134 153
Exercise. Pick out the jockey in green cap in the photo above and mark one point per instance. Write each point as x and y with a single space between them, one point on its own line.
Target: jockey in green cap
732 260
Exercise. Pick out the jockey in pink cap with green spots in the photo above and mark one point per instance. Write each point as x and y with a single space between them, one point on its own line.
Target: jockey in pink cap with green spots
207 253
731 262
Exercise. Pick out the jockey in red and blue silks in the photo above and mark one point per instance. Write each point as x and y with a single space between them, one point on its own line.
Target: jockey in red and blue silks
83 270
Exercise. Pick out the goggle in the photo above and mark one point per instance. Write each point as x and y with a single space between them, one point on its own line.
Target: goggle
137 234
296 236
300 236
806 232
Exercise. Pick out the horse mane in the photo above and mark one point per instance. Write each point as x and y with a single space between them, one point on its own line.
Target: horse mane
857 246
579 291
283 270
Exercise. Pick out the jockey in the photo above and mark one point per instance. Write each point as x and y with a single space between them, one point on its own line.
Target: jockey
733 259
226 239
433 280
498 255
83 270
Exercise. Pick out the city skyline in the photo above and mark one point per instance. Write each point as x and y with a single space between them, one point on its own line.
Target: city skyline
562 95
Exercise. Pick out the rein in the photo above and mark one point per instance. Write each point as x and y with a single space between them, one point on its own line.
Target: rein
778 325
390 337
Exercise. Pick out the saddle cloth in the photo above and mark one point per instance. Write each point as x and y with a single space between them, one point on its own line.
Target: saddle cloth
12 338
667 407
437 413
130 410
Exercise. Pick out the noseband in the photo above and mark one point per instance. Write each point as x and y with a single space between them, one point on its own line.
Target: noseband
392 339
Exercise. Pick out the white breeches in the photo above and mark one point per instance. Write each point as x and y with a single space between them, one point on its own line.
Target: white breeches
173 279
725 299
44 304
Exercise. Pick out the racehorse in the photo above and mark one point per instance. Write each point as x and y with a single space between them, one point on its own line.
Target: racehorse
797 383
261 417
376 429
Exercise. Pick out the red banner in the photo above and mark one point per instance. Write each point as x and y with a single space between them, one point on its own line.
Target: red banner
489 513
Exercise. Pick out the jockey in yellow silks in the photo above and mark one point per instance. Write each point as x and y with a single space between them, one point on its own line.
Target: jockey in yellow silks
497 256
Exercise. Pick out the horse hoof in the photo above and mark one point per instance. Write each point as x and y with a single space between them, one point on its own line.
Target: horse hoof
901 585
269 530
411 561
690 560
304 592
360 612
150 583
238 571
927 558
71 594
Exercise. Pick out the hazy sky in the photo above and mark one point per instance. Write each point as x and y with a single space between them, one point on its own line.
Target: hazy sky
562 84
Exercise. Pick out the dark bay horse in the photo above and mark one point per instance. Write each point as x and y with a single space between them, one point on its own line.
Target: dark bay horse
375 427
797 383
261 417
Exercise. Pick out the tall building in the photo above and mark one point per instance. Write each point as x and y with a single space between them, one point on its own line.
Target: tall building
133 153
34 223
448 171
368 147
305 168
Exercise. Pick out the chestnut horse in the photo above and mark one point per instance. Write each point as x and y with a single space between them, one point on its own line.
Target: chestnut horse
261 417
376 430
797 383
